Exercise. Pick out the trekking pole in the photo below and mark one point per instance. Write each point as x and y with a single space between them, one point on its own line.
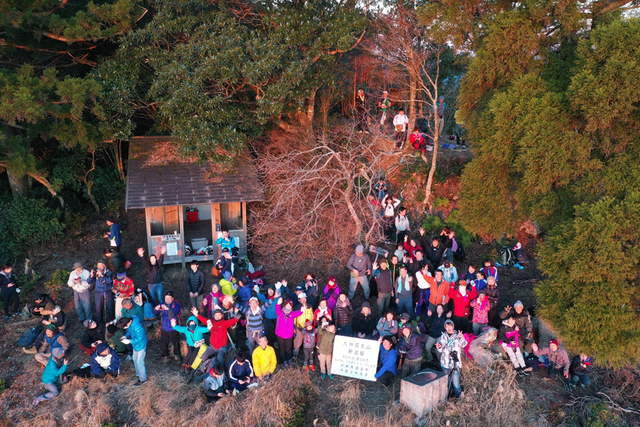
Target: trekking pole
233 346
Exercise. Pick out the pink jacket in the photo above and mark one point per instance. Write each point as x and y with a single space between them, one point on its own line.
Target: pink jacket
284 324
481 314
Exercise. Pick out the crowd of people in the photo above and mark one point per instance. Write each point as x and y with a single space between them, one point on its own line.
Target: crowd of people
421 310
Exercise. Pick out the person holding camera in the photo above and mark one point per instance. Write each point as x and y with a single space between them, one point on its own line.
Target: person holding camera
104 298
450 345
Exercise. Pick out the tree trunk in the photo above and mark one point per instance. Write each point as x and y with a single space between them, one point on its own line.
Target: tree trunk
42 180
413 87
347 198
19 186
436 135
119 162
93 199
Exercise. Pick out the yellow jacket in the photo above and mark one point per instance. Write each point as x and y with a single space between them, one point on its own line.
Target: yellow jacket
227 287
307 314
264 361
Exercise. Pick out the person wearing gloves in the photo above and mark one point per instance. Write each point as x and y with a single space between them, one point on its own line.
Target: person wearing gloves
212 300
556 359
387 325
509 337
285 329
56 366
137 337
105 361
254 315
451 345
194 335
219 340
331 293
153 266
196 282
388 367
81 295
364 322
359 264
410 346
92 338
523 320
264 359
481 307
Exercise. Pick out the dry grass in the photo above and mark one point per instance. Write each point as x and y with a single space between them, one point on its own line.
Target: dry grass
489 400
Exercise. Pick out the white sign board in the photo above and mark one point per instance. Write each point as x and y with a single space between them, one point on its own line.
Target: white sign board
172 248
355 358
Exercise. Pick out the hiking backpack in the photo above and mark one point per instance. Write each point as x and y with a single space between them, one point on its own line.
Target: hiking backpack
507 257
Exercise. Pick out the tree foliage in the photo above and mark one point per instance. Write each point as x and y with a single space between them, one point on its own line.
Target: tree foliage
214 74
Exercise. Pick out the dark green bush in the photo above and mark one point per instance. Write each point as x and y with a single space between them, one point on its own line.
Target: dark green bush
433 225
26 223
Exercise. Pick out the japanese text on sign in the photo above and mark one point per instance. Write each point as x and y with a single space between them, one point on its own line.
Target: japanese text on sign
355 358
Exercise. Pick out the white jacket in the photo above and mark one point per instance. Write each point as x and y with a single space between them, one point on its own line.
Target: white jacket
82 286
401 119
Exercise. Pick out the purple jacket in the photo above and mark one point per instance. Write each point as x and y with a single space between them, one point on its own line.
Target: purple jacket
331 297
284 324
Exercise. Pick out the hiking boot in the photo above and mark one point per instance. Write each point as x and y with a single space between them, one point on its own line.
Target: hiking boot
306 367
6 319
30 350
128 358
139 383
520 372
323 376
313 368
330 376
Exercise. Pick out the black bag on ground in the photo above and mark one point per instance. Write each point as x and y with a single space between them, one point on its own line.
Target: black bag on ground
83 372
507 257
532 362
29 337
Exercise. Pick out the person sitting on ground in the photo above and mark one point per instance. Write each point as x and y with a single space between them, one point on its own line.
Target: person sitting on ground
39 303
218 327
508 337
105 361
494 297
196 282
215 384
240 372
264 359
54 316
417 141
92 337
451 344
308 345
387 325
129 308
326 335
437 320
54 369
168 311
556 359
331 293
114 334
194 335
212 300
364 323
481 307
53 338
388 367
523 320
410 346
579 370
322 312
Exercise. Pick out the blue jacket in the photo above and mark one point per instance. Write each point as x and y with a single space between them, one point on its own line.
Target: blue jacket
53 370
244 294
239 372
195 336
53 341
388 360
96 369
104 283
115 235
137 334
167 315
270 313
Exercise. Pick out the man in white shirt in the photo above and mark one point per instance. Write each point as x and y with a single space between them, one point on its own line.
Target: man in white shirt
81 296
400 122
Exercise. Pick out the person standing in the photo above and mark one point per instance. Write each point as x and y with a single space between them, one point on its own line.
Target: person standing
219 336
327 335
114 235
136 336
360 266
440 106
153 265
384 105
10 291
169 311
462 298
285 329
103 279
400 123
385 285
361 109
404 294
81 295
264 359
402 224
389 205
122 288
450 345
227 242
196 281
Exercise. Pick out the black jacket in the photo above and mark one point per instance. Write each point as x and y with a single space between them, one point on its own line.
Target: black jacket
437 324
5 281
195 281
364 324
154 272
92 335
435 256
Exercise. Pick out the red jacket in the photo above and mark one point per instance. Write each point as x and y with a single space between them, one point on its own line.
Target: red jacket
462 304
218 331
411 250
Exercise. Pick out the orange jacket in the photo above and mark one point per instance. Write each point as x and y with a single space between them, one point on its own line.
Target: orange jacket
439 294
